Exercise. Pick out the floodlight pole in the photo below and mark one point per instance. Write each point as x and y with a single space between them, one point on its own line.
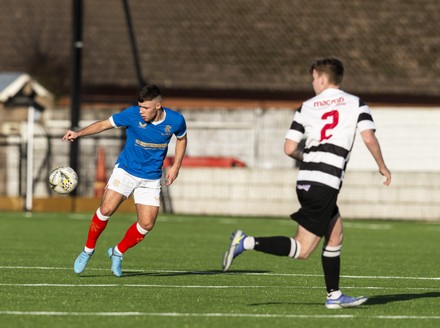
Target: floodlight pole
134 50
76 80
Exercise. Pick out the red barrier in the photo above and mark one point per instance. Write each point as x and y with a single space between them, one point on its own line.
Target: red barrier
197 161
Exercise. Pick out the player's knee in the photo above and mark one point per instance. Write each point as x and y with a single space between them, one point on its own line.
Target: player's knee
304 255
146 225
106 211
304 252
340 239
335 239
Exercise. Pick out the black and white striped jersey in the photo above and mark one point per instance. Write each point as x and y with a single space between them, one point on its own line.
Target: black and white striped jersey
329 122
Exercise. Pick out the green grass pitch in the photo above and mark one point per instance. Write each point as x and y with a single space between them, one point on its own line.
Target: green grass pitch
174 279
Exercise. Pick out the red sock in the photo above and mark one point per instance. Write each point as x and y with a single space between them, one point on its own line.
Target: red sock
97 226
131 238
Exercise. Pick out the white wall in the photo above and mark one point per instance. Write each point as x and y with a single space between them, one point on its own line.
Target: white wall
409 137
261 192
410 141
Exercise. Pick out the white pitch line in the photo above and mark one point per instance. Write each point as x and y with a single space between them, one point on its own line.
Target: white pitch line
34 268
210 286
228 273
368 226
342 276
231 315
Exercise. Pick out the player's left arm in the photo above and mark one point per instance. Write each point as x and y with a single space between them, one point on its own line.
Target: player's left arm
173 171
370 140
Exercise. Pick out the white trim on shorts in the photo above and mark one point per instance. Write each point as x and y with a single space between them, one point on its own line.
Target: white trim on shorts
145 192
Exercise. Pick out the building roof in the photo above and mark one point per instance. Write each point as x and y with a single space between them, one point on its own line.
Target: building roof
258 48
12 84
6 80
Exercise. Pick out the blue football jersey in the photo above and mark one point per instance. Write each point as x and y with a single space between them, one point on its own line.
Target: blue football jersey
147 143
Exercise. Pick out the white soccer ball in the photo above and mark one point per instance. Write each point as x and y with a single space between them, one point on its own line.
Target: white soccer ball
63 180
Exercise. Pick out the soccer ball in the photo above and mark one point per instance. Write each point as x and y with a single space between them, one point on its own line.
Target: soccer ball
63 180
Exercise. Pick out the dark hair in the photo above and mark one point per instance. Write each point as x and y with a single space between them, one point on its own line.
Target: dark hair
330 66
149 92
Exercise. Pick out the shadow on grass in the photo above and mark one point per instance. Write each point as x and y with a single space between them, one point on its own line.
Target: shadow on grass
373 300
127 274
284 303
385 299
186 273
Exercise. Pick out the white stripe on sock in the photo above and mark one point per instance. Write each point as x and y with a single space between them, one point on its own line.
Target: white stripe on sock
331 251
100 216
88 250
294 248
140 229
117 251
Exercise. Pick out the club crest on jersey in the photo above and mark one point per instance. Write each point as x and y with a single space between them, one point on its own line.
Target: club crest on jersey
167 130
142 125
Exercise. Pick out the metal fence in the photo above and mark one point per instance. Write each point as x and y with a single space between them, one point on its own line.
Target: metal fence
255 137
50 152
11 175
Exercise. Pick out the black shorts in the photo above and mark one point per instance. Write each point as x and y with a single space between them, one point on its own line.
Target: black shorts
318 207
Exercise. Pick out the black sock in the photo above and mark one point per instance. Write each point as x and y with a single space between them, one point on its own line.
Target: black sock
331 267
273 245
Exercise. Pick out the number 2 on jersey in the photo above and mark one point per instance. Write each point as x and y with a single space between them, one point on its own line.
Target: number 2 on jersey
334 116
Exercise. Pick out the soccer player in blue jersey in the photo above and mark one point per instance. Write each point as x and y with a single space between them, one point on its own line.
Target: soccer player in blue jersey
138 170
329 122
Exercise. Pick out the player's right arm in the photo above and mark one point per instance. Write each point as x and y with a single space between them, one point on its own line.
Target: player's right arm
291 149
94 128
373 146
